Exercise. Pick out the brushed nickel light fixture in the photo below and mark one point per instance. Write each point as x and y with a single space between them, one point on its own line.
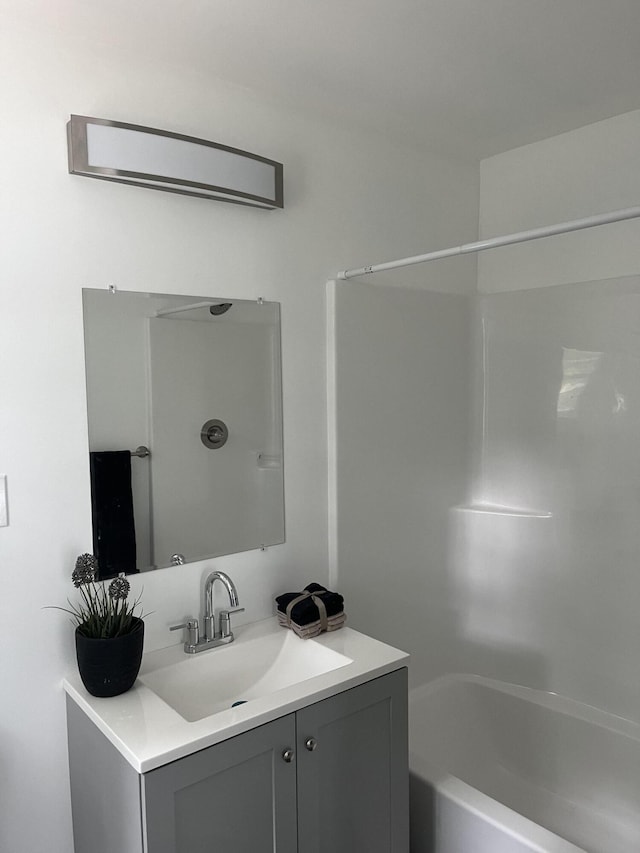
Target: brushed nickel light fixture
161 160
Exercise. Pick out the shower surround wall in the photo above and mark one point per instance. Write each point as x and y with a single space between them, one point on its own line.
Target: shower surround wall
562 429
402 414
545 564
518 561
199 370
515 555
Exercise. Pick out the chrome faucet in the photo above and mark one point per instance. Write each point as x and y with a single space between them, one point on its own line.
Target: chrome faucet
210 632
212 637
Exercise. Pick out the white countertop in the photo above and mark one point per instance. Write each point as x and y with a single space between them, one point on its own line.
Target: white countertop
149 733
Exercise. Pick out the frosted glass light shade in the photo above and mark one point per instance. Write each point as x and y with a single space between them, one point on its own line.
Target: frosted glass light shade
131 154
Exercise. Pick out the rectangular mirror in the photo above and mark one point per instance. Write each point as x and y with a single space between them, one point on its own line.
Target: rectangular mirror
184 407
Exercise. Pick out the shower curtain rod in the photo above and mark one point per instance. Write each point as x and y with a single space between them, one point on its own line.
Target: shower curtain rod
496 242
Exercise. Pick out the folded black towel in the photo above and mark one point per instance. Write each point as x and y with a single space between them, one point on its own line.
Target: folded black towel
306 610
114 537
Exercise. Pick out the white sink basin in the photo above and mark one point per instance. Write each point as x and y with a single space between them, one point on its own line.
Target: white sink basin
206 683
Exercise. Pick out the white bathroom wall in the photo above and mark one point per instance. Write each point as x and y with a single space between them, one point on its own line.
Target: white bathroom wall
546 582
350 198
593 169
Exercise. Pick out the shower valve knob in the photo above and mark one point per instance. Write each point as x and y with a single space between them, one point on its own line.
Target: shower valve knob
214 434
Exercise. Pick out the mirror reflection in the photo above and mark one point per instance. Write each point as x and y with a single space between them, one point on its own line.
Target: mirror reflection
185 427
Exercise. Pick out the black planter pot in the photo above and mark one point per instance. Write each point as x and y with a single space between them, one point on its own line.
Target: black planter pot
110 667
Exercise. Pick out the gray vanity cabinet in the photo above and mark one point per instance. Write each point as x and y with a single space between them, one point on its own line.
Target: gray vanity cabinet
331 777
352 770
237 796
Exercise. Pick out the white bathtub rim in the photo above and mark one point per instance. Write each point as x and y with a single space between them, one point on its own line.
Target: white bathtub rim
536 837
547 699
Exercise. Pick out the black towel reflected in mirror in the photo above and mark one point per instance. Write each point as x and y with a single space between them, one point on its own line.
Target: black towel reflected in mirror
114 537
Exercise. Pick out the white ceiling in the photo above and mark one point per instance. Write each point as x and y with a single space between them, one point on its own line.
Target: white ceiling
475 77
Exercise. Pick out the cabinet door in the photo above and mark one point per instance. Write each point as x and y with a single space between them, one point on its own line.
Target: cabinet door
236 796
353 775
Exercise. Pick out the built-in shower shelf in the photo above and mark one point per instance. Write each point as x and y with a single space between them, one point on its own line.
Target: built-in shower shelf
269 460
499 509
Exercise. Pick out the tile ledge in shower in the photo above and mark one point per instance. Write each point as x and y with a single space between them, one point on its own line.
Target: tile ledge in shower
500 509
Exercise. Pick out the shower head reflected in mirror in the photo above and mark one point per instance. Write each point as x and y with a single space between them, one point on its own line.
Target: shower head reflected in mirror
220 308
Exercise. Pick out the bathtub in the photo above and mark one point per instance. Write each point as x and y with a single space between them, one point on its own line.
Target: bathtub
497 768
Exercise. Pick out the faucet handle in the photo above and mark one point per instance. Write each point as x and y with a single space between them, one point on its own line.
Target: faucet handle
225 620
193 631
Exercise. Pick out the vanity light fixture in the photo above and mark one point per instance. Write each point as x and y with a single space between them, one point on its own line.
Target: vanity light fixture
161 160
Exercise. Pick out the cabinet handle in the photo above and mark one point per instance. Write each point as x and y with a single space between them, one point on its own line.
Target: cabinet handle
288 755
311 743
